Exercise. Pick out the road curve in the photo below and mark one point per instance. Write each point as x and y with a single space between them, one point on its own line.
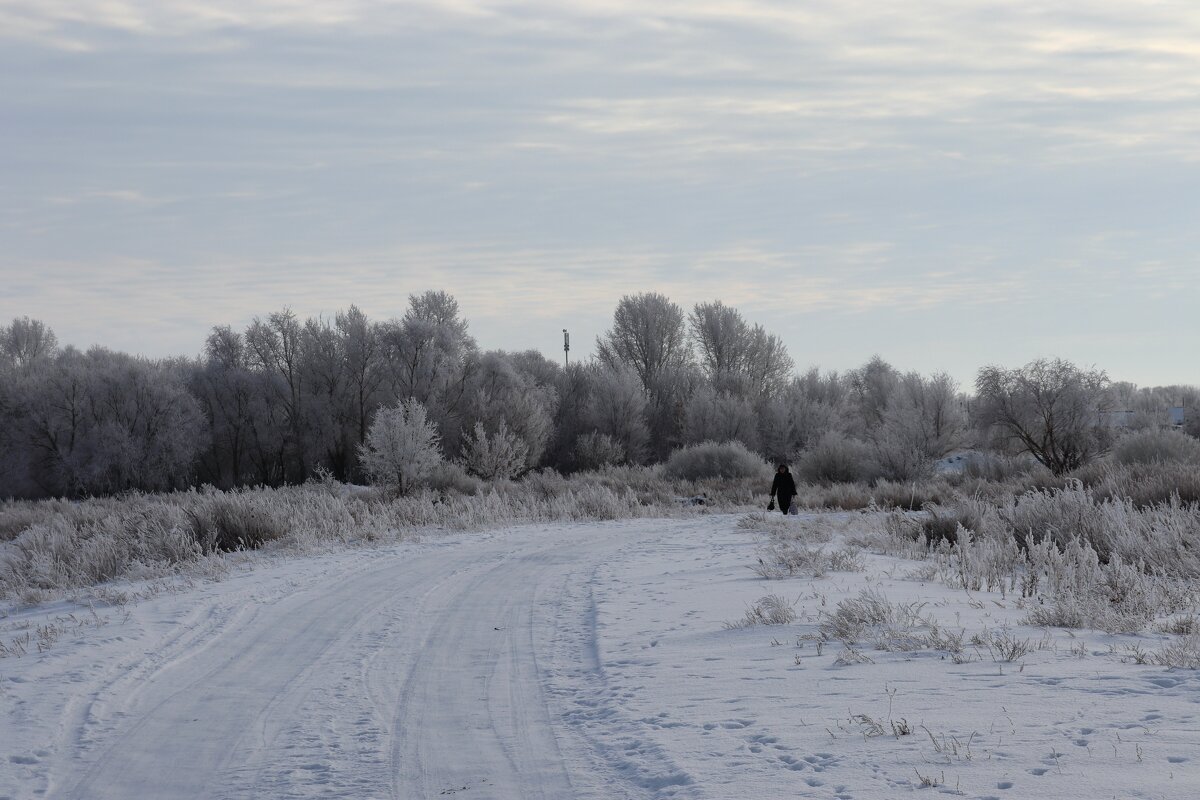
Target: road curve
468 667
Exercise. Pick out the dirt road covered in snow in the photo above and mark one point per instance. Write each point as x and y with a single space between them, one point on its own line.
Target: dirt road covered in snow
586 661
462 666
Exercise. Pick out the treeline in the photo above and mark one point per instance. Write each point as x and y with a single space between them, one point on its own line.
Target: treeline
286 399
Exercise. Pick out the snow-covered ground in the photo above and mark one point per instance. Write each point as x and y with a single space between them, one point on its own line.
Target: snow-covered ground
583 660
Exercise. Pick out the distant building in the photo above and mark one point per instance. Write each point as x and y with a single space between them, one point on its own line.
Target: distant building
1177 416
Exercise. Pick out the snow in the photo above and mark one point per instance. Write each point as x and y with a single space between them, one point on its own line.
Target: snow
582 660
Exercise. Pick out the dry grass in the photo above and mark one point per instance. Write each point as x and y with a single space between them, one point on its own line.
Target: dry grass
57 545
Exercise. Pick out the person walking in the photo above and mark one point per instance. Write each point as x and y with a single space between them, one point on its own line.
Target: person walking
783 489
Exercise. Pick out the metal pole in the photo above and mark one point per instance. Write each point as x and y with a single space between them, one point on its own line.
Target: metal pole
566 347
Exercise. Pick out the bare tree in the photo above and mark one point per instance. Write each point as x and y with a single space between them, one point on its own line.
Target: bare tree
1050 408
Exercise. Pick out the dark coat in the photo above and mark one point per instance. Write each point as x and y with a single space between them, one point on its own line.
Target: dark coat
784 485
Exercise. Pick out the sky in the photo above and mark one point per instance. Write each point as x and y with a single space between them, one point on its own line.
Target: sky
946 184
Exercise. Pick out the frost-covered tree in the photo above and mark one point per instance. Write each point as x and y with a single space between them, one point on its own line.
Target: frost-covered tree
500 392
426 351
428 356
247 427
712 416
1051 409
274 347
923 421
27 341
105 422
871 387
326 399
721 338
810 406
648 335
362 348
498 455
617 408
735 356
402 446
573 388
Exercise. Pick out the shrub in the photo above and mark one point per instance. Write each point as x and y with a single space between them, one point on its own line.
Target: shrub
845 496
855 617
402 446
999 467
836 458
1157 447
597 450
452 478
69 550
500 455
912 496
18 517
716 460
1144 485
771 609
224 523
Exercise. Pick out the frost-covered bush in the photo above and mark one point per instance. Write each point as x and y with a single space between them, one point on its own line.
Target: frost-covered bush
1157 446
844 496
1079 560
892 626
58 545
499 455
1146 485
771 609
999 467
912 496
452 478
710 416
716 460
222 523
837 458
68 550
597 450
402 446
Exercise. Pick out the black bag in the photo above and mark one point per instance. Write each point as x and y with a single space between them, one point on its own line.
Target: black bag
771 506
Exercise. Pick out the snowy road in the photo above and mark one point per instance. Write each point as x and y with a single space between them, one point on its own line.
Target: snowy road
572 661
429 672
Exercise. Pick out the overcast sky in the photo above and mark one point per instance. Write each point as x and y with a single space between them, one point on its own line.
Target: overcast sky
946 184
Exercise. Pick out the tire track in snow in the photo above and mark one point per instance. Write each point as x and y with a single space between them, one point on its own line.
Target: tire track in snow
424 673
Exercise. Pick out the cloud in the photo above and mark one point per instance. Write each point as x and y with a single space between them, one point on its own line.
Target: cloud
175 163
